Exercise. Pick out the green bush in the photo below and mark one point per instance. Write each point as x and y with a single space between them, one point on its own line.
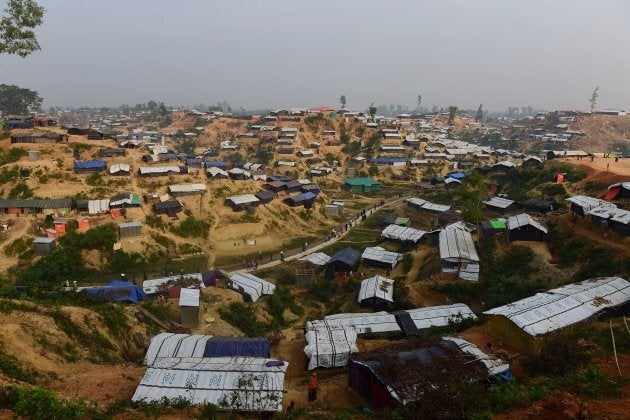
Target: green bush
11 367
192 227
243 317
21 191
17 247
12 154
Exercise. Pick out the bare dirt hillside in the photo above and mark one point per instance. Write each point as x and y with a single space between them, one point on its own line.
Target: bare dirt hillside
602 132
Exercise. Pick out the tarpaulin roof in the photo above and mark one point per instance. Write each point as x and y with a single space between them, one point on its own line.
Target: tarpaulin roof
303 197
118 167
433 316
499 202
362 323
457 244
524 219
361 181
251 285
217 379
588 203
498 223
167 345
348 256
116 291
189 297
316 258
126 198
328 346
58 203
243 199
613 213
90 164
566 305
494 364
237 346
381 255
377 286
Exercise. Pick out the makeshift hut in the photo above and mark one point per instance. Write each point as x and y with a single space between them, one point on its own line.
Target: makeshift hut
120 169
191 280
613 218
418 321
242 202
251 286
458 253
528 323
377 293
532 162
540 205
215 380
169 345
124 200
90 166
186 189
265 196
237 347
306 199
380 257
582 204
402 233
366 325
500 205
492 227
523 227
361 184
327 346
618 191
129 229
343 261
189 307
115 291
170 207
216 173
44 246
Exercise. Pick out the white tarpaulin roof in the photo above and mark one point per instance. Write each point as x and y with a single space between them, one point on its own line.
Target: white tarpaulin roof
189 297
494 364
158 169
402 233
506 163
316 258
243 199
214 171
524 219
98 206
613 213
439 316
116 167
502 203
566 305
251 285
186 188
456 245
152 285
381 255
419 202
166 345
257 381
377 286
588 203
328 346
362 323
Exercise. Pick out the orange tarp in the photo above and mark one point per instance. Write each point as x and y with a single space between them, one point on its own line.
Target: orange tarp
115 213
83 223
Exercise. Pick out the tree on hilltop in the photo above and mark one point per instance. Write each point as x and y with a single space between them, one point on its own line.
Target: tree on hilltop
19 19
342 100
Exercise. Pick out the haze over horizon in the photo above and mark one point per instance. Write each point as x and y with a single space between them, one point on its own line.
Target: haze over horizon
275 54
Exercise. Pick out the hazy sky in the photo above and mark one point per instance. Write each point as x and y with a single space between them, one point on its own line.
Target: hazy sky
272 53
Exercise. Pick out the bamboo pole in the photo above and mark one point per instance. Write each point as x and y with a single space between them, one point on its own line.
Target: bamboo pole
614 347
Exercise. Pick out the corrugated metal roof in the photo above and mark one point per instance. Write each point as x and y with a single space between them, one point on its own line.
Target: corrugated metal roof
212 380
316 258
402 233
60 203
613 213
524 219
377 286
129 224
168 345
499 202
440 316
43 240
588 203
243 199
378 254
189 297
251 285
561 307
457 244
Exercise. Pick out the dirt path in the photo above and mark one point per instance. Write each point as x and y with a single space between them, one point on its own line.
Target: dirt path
584 228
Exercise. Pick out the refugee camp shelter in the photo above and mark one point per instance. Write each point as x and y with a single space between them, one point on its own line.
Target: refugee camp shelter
216 379
251 286
527 323
328 346
237 347
386 376
377 324
120 169
242 202
170 207
186 189
129 229
418 321
377 293
206 278
125 200
458 253
523 227
362 184
377 256
317 259
532 162
306 199
582 204
402 233
151 171
35 206
618 191
422 204
170 345
492 227
616 219
115 291
265 196
44 246
216 173
540 205
90 166
500 205
189 307
343 261
104 153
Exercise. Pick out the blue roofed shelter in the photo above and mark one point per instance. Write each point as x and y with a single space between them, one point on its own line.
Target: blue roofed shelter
237 347
306 199
90 166
343 261
116 291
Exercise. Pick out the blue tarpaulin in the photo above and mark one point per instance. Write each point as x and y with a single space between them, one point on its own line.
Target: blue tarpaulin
237 346
90 164
457 175
216 164
116 291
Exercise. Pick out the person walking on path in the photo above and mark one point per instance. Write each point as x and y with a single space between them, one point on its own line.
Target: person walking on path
282 257
313 384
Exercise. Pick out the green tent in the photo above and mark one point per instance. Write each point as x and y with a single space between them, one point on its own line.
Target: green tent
498 224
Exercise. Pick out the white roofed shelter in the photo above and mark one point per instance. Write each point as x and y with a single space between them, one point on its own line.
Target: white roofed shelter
186 189
381 257
317 258
244 383
582 204
250 285
328 346
458 253
377 292
402 233
377 323
525 323
169 345
415 321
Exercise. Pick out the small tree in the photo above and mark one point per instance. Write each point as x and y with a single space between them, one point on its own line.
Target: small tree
419 98
342 100
593 99
452 112
373 170
372 111
17 100
479 115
